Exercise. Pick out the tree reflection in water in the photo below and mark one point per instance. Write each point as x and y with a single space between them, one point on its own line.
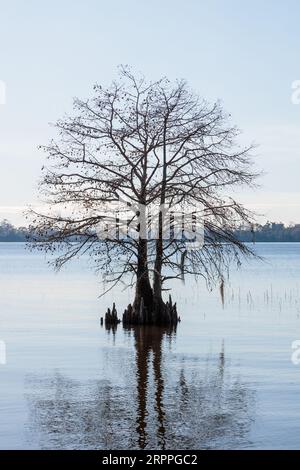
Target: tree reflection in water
166 401
148 345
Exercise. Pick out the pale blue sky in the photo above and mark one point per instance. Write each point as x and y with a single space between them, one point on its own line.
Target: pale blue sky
245 53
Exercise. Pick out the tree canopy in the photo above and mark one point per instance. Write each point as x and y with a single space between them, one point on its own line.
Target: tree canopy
151 143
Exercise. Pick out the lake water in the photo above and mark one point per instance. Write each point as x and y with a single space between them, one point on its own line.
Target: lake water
223 380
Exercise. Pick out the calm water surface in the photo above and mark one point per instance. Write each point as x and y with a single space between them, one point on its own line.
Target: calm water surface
223 380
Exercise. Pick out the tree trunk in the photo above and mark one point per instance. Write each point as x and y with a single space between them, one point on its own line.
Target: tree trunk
143 286
148 306
157 280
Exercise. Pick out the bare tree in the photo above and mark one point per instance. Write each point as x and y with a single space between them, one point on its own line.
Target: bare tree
151 143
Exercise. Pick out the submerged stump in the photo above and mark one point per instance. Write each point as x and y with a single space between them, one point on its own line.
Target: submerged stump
111 317
161 313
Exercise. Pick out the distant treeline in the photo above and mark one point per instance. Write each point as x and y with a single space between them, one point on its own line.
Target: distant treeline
9 233
270 232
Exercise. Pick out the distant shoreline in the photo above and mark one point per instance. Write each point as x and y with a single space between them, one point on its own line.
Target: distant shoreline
271 232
